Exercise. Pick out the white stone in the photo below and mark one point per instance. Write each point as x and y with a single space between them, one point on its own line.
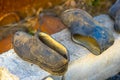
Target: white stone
6 75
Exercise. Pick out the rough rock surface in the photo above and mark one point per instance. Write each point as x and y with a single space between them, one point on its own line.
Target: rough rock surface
20 68
27 71
5 75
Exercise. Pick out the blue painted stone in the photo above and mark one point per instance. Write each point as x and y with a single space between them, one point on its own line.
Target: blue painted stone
114 11
86 31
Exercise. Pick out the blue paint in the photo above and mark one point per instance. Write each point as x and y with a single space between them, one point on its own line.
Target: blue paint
97 32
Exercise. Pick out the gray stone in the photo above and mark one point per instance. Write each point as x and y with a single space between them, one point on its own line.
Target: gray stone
6 75
24 70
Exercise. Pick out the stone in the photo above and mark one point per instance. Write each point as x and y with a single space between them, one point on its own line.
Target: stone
20 68
5 75
50 24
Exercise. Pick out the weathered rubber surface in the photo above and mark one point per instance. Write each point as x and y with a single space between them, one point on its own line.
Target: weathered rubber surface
86 31
31 48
